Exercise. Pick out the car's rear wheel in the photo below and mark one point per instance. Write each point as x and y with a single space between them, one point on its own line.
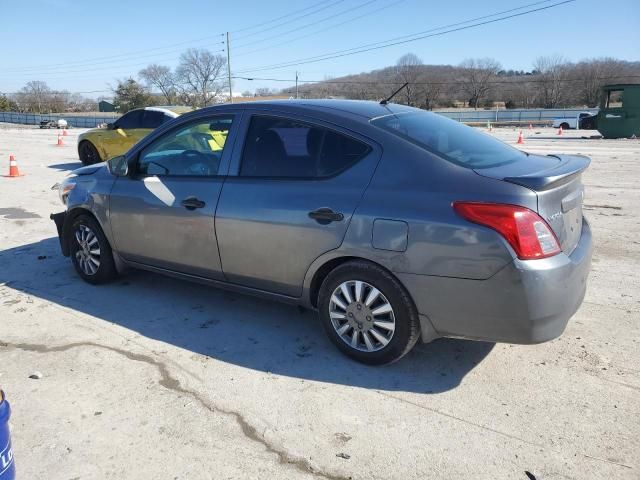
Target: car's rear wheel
88 153
90 251
367 313
565 126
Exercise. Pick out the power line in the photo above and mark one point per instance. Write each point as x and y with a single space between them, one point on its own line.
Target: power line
417 36
82 70
302 27
280 18
111 58
38 69
519 78
63 70
141 63
324 7
302 37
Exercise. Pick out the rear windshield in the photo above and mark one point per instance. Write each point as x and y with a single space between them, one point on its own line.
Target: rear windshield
453 141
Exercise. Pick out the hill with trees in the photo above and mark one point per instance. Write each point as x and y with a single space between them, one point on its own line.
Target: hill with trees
553 82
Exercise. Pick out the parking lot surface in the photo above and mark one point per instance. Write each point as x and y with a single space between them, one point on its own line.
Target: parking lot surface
151 377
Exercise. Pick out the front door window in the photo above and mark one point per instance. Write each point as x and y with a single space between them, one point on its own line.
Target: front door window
191 150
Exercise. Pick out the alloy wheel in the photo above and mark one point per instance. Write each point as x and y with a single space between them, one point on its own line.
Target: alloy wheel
362 316
88 253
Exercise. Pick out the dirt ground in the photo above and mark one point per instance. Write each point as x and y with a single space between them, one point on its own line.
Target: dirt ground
155 378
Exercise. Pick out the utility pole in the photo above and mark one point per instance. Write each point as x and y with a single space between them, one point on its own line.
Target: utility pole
296 84
229 69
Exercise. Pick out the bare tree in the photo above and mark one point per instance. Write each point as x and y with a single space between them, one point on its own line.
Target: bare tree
526 94
162 78
593 75
58 101
552 76
408 69
476 77
35 96
429 89
199 73
265 92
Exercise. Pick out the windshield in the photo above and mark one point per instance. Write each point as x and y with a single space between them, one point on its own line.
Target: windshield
455 142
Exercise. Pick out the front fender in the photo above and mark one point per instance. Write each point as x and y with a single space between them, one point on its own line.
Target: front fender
95 137
91 195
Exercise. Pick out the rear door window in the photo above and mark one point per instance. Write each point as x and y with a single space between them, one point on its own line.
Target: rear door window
453 141
152 119
279 147
130 120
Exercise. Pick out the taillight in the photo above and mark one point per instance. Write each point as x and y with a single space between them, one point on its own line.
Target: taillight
526 231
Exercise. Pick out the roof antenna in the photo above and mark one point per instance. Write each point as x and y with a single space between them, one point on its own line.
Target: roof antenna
386 100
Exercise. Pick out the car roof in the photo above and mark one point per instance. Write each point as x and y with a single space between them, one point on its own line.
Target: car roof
171 110
363 109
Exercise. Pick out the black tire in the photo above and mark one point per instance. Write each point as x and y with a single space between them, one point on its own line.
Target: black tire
565 126
407 323
105 271
88 153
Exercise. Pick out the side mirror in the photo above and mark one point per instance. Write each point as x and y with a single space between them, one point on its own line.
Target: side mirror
111 126
118 166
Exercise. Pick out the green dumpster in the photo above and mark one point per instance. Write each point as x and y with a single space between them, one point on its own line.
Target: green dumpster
619 115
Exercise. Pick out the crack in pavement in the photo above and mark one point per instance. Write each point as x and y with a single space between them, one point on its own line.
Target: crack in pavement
493 430
171 383
22 288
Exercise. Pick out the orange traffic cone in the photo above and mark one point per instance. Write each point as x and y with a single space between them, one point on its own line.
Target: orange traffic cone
560 130
60 142
13 168
520 138
64 132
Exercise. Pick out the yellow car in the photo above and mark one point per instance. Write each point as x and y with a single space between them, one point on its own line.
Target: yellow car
100 144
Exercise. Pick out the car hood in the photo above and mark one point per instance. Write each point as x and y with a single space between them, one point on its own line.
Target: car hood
89 132
90 169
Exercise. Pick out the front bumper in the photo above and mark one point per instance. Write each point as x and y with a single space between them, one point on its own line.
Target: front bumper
526 302
60 219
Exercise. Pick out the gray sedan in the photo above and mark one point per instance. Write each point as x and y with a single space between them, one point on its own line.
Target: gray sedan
396 224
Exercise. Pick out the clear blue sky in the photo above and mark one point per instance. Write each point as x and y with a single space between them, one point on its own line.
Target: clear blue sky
67 43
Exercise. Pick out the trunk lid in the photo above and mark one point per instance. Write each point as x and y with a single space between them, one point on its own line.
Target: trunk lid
557 181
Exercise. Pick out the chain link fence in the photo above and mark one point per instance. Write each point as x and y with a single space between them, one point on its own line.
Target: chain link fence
540 116
73 120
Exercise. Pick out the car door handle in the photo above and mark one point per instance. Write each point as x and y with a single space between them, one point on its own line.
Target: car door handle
326 215
191 203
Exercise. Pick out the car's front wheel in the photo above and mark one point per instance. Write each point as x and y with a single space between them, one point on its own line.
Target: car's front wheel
367 313
90 251
88 153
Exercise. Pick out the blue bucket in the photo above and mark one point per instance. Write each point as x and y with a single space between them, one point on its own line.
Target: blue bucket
7 467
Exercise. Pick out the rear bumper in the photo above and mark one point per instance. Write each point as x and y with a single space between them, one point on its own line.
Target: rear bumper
526 302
